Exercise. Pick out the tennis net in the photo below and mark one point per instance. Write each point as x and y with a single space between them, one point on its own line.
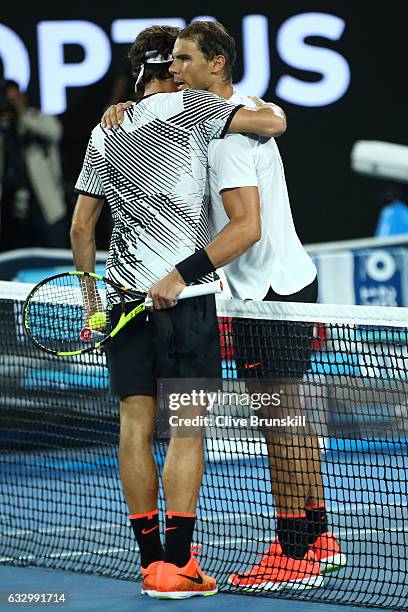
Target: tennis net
347 367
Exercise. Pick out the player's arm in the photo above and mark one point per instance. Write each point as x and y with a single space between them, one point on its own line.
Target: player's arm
267 120
87 211
84 220
243 229
233 173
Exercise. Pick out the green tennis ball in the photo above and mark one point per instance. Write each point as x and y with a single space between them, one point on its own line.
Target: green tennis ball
97 321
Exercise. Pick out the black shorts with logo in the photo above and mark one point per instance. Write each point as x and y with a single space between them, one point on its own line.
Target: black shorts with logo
178 342
275 349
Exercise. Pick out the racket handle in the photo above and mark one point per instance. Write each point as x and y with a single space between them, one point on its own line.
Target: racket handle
194 291
204 289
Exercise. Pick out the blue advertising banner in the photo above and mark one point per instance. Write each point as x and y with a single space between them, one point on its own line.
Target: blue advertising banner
372 276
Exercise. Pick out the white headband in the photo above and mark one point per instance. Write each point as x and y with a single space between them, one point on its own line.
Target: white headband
152 57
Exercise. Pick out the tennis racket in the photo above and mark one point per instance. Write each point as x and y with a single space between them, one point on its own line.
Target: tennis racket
68 314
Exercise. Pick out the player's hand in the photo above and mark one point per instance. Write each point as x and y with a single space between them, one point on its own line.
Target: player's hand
113 116
277 111
257 100
164 293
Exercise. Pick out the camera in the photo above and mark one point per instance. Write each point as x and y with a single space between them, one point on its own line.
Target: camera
383 160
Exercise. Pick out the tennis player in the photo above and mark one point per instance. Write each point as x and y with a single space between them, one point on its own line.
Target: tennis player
152 171
276 268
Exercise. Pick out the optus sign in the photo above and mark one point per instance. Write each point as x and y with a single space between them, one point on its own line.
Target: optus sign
55 75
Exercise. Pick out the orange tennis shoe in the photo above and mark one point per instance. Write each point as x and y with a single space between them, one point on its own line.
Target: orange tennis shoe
149 575
328 553
175 582
275 571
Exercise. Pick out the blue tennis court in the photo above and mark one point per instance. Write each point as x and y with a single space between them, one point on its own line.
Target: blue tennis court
98 593
369 516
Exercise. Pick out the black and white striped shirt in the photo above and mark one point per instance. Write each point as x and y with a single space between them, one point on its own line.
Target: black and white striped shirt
152 171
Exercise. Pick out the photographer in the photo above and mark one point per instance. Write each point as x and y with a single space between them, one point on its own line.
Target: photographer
32 202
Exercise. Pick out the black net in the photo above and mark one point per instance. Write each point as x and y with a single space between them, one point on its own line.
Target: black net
61 498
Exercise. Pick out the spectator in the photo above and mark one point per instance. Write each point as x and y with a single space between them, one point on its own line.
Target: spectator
33 207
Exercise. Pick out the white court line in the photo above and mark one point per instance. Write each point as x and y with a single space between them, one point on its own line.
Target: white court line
330 508
64 555
342 533
363 507
221 516
215 543
213 518
53 530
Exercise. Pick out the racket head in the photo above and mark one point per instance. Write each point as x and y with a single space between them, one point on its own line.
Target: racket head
60 308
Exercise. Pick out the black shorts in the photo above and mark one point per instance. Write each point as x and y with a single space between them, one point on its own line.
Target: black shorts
179 342
275 349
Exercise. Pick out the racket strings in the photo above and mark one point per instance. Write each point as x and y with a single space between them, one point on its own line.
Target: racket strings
92 301
60 309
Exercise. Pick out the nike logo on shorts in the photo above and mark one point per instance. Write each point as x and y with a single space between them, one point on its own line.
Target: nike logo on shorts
248 366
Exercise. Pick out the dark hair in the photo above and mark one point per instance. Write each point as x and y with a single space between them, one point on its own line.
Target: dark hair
10 83
212 39
153 38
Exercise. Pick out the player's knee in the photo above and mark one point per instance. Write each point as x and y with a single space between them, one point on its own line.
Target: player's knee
131 442
135 433
193 445
137 417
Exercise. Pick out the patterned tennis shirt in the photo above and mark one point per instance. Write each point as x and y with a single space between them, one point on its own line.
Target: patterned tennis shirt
153 171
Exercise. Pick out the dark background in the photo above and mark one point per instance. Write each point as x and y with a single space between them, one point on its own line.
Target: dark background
329 202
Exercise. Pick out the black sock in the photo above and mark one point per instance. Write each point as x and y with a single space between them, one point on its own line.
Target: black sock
147 533
316 522
293 535
179 533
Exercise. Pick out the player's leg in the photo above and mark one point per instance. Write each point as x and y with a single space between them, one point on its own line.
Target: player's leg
139 476
322 542
138 469
293 361
297 483
131 362
192 330
182 475
181 576
289 469
300 461
287 563
295 460
292 459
